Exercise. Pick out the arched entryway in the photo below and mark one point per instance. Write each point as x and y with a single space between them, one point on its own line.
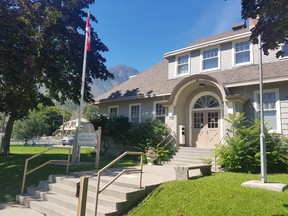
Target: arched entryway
205 120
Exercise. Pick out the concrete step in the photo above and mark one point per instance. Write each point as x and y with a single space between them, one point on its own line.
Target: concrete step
191 155
52 209
60 191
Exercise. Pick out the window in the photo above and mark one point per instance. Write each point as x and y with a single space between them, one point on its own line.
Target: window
182 65
160 112
198 120
212 119
284 49
210 59
135 113
242 53
206 101
113 111
270 108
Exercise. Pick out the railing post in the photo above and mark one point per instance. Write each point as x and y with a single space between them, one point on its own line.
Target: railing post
97 159
24 176
97 193
81 209
141 170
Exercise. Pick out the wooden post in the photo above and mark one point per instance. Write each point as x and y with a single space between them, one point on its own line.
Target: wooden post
81 209
97 159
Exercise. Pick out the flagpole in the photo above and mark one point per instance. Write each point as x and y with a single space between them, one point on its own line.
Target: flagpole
75 147
262 135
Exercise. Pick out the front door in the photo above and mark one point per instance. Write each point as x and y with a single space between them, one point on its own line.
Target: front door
205 128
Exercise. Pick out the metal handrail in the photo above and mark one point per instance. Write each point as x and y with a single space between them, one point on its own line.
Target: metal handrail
215 157
98 191
173 134
42 165
166 138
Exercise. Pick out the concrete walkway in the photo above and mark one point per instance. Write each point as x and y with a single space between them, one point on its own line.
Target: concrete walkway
15 209
152 175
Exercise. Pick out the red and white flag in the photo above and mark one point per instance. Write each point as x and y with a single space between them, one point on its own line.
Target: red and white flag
88 30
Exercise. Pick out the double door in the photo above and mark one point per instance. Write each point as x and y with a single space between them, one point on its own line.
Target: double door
205 128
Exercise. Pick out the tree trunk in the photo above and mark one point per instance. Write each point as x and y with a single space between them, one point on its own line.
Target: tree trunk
7 135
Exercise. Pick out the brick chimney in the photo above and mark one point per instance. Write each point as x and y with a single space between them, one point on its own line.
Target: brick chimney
252 23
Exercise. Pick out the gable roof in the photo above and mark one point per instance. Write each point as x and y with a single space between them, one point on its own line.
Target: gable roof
154 81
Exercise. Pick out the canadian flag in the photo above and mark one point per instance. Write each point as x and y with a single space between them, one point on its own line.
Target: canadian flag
88 30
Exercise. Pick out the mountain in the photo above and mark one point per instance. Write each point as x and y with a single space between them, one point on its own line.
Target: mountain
121 73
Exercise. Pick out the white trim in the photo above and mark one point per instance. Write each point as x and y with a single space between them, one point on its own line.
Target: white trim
202 59
135 104
191 109
209 43
176 65
109 109
278 107
246 83
234 53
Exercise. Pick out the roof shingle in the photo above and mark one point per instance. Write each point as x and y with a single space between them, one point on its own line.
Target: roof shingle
154 81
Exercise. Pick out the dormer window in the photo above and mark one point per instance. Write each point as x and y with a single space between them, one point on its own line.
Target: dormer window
242 53
210 59
182 65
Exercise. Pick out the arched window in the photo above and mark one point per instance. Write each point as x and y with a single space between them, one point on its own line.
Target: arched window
206 101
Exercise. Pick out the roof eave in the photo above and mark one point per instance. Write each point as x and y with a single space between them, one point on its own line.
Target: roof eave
209 43
102 101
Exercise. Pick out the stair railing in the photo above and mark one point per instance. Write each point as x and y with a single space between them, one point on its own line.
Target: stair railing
25 174
221 140
98 190
173 137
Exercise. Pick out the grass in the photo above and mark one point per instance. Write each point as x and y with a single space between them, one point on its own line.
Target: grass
219 194
12 167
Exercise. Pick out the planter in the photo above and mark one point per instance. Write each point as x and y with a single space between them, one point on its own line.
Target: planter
152 158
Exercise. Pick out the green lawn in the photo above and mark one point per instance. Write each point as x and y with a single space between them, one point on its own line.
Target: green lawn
12 167
219 194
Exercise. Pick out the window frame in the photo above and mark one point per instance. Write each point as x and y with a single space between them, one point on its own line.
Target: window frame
155 110
177 64
202 59
130 112
109 111
277 108
234 52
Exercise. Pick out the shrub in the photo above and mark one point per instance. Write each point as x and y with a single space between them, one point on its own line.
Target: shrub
242 151
148 134
145 135
118 129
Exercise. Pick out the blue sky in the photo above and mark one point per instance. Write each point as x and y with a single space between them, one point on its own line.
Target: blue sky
139 32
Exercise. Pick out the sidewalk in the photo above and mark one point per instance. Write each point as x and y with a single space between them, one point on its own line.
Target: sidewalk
15 209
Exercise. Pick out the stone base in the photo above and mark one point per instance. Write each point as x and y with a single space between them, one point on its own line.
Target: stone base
268 186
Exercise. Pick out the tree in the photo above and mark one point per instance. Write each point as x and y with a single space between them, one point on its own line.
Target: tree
44 120
33 126
41 47
272 22
90 112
